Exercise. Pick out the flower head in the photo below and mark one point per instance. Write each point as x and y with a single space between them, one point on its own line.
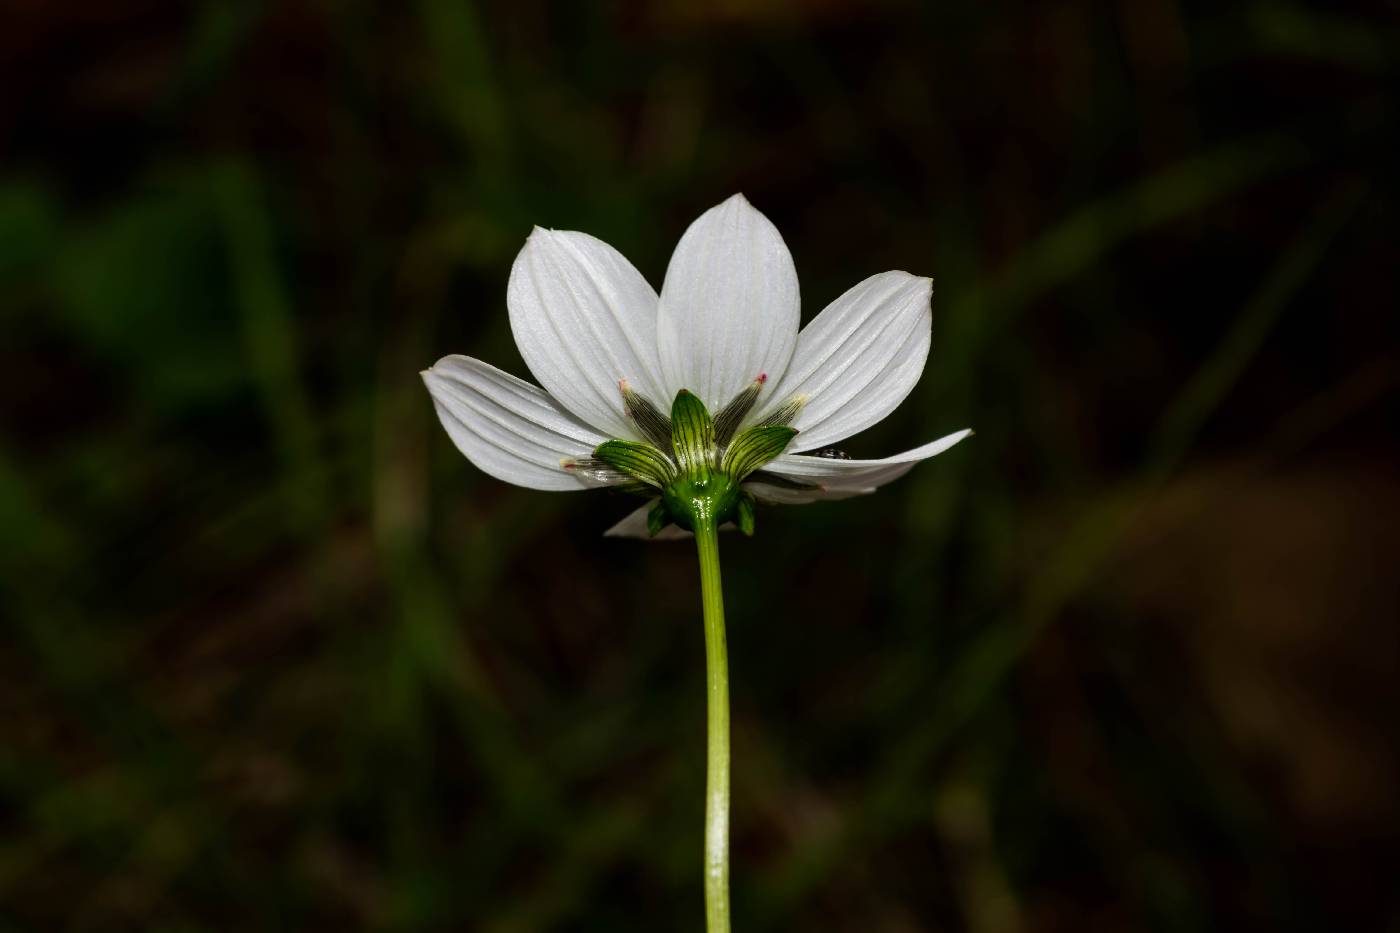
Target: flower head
706 397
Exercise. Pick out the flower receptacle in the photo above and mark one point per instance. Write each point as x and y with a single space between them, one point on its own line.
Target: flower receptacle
702 493
711 498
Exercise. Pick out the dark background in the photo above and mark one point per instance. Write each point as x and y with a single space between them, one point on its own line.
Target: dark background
276 657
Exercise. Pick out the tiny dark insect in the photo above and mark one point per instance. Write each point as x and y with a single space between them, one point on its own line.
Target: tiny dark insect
830 453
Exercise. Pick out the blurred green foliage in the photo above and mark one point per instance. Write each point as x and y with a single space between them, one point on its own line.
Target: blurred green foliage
276 657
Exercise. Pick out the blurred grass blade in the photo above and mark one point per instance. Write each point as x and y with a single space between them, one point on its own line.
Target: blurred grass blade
1082 240
1208 388
270 337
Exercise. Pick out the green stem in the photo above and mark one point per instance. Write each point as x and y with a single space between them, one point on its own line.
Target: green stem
717 756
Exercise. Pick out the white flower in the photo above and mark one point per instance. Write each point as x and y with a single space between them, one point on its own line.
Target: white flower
612 355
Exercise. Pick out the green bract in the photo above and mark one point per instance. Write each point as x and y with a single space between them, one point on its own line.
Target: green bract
704 463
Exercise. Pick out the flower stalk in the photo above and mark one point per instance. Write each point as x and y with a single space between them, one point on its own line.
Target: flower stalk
717 728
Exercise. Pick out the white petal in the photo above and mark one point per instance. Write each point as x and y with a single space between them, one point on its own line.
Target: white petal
584 318
782 495
857 475
635 526
506 426
729 307
859 358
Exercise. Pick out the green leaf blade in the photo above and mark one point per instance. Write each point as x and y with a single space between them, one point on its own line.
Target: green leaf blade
658 517
744 514
754 447
637 459
692 435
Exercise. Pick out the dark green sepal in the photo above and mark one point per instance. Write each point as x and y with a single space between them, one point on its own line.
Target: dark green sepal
732 415
637 459
692 435
754 447
785 413
744 514
658 517
593 471
653 425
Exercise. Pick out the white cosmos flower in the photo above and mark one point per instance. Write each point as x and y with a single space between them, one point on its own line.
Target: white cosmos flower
611 355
